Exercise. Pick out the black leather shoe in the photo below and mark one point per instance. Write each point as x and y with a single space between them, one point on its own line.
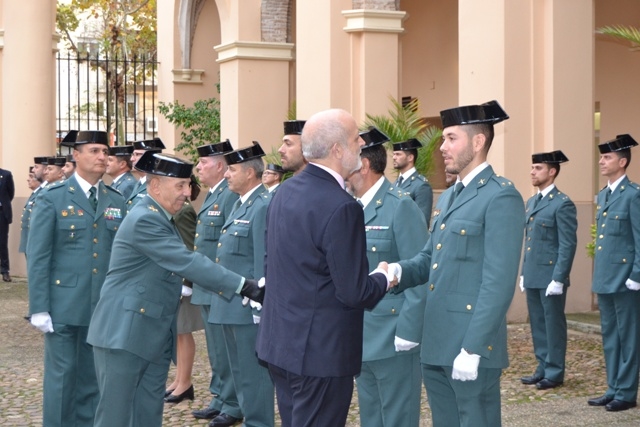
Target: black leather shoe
173 398
530 380
619 405
6 277
600 401
205 414
167 392
224 420
545 384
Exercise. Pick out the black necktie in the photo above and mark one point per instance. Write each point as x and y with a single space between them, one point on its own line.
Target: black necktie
456 191
538 198
92 198
359 202
399 181
606 197
236 205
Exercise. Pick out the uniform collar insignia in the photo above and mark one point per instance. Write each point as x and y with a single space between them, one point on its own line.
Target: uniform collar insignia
379 202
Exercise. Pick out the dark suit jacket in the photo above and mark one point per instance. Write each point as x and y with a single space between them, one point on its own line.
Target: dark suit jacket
7 191
317 278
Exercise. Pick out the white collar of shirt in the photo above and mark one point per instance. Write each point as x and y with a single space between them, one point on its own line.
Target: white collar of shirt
143 179
407 174
215 187
117 178
86 186
467 179
273 187
617 182
367 197
249 193
333 173
547 190
44 184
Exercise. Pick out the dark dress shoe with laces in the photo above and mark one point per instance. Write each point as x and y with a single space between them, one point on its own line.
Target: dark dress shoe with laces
224 420
619 405
177 398
205 414
600 401
546 384
530 380
6 277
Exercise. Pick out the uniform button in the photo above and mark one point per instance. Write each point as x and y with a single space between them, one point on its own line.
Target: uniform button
604 214
531 219
220 293
624 260
95 240
235 233
142 310
529 228
115 228
439 246
490 348
95 271
219 244
73 227
173 274
393 310
197 234
373 249
129 202
601 236
95 255
550 262
435 266
528 248
616 216
442 227
431 287
463 232
95 225
603 225
528 239
217 259
57 282
195 247
468 306
224 231
599 248
199 222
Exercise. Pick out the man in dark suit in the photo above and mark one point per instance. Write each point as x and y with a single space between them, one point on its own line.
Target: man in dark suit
550 245
616 274
470 264
7 191
213 214
133 329
71 232
389 383
410 181
317 279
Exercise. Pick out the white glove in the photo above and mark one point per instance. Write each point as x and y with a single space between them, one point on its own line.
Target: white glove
42 321
395 271
521 283
256 319
245 300
403 345
465 366
554 288
186 291
632 285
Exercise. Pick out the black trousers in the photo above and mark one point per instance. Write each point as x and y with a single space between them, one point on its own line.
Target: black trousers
4 243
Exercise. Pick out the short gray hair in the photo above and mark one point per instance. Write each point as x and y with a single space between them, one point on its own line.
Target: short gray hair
256 164
318 138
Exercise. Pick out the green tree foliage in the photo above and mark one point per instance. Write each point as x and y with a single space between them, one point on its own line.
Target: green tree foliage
405 122
622 32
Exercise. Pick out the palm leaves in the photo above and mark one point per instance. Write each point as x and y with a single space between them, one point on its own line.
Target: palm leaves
405 122
622 32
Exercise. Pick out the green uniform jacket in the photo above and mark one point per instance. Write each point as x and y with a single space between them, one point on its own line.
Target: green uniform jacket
550 240
419 189
139 302
125 184
25 219
69 250
394 229
241 249
212 216
138 192
471 263
617 251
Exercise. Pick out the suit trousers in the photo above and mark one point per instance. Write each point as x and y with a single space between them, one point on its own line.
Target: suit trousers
131 388
253 386
4 243
224 393
620 323
389 391
549 332
305 401
463 403
70 393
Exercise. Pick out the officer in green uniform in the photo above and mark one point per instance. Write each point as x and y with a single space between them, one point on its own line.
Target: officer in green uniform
25 218
69 141
405 155
133 329
71 233
119 168
616 274
53 171
549 248
212 215
139 148
470 264
272 176
241 249
389 384
69 167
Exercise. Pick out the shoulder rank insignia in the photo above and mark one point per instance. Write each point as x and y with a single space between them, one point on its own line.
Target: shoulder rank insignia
153 208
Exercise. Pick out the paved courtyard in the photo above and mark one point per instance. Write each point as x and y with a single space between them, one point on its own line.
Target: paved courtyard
522 406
